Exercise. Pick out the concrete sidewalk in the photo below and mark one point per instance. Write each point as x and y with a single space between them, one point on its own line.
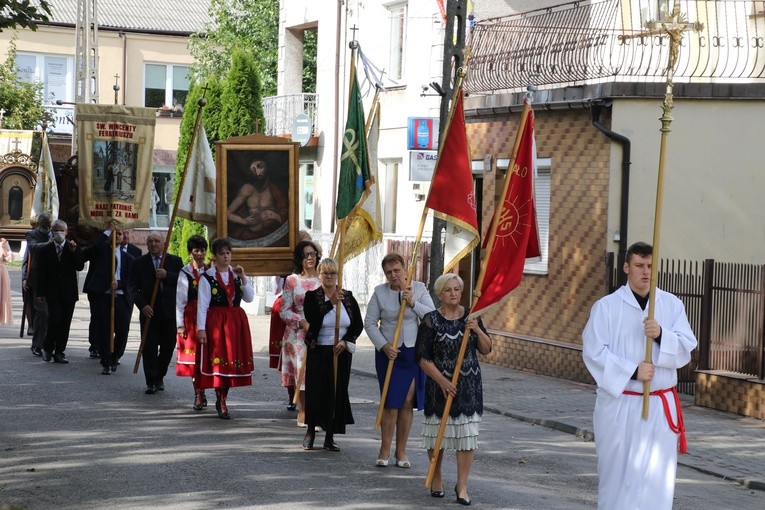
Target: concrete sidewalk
721 444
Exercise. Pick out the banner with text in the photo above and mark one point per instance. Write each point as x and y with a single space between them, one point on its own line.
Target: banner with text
115 149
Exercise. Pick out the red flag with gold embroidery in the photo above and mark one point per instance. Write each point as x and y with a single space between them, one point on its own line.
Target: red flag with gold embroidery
452 197
516 238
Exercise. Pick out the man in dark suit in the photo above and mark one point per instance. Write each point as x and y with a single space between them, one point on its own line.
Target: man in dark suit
158 317
99 283
35 238
129 247
56 286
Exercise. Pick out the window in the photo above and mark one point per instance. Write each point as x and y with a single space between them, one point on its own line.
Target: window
542 205
388 187
56 72
397 39
165 85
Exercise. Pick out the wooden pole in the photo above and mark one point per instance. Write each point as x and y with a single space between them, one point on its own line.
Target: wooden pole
202 102
479 283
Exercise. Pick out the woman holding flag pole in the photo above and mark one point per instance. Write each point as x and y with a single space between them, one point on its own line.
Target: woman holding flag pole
437 348
407 381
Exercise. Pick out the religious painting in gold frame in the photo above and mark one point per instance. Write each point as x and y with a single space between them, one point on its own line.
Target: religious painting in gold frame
257 189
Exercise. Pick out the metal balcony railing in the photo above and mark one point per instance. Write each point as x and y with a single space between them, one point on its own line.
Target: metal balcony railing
603 41
280 112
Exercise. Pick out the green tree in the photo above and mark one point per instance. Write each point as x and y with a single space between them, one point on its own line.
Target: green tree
309 61
22 101
23 14
251 24
241 109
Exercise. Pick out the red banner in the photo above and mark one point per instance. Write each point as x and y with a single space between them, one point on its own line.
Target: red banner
452 197
516 238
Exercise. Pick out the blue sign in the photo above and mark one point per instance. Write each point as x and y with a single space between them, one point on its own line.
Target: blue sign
422 133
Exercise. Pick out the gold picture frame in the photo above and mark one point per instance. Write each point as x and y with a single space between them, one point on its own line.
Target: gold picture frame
257 186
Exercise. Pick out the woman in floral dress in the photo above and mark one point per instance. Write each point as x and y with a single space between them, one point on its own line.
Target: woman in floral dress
305 279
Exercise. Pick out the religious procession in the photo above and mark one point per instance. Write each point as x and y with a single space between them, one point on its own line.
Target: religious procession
244 216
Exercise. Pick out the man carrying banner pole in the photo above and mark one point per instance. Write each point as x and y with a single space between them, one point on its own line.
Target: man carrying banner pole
187 205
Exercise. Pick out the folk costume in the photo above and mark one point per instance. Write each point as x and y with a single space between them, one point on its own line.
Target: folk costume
637 459
226 357
186 295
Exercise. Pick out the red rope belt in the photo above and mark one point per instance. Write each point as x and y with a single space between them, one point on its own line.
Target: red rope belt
678 428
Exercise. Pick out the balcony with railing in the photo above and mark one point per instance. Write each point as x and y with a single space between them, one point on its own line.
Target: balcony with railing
280 113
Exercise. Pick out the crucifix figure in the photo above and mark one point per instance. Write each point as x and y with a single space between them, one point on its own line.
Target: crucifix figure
674 26
16 142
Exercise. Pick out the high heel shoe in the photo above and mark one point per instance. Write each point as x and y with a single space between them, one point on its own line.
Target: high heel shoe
436 494
461 501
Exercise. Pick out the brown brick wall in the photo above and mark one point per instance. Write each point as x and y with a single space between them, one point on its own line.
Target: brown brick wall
554 359
553 307
731 393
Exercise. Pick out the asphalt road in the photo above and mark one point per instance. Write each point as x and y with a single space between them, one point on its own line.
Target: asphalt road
71 438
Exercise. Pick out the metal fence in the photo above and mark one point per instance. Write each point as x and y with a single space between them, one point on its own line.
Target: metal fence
280 112
725 303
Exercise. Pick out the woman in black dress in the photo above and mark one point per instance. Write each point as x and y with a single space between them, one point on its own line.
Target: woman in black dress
326 393
438 344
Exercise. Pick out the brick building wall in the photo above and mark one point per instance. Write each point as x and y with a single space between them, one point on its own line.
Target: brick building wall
539 327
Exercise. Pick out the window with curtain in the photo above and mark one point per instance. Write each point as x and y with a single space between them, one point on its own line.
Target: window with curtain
542 205
165 85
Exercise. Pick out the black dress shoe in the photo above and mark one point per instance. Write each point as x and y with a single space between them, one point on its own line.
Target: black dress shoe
94 354
461 501
114 368
60 358
36 351
161 386
150 390
291 407
308 441
437 494
46 356
30 332
331 446
106 370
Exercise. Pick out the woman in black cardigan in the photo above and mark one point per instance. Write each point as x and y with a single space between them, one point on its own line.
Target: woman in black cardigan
327 402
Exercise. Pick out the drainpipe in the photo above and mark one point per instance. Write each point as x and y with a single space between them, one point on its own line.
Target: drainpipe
625 192
124 65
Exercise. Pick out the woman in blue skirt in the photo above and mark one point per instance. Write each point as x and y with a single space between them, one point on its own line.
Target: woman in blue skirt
407 383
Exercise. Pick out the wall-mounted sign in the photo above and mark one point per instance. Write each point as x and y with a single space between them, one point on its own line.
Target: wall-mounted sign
422 133
302 128
421 165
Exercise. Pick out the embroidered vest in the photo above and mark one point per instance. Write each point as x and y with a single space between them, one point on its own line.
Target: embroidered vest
218 294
